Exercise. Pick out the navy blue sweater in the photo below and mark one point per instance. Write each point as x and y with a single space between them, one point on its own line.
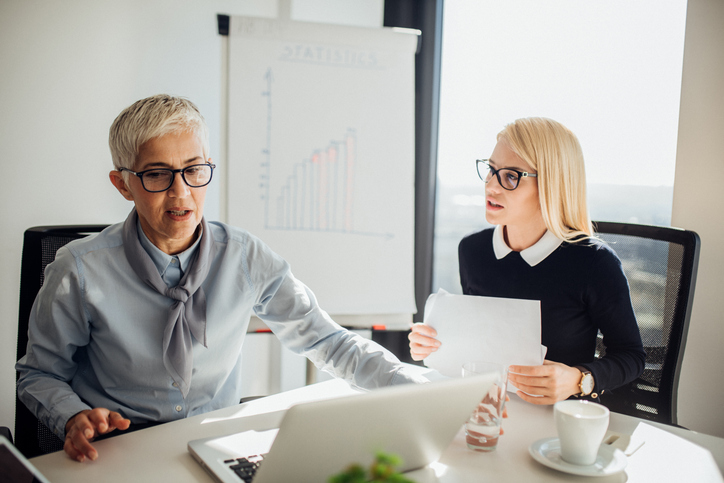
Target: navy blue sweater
582 289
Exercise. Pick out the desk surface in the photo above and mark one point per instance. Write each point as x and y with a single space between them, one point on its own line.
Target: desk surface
159 453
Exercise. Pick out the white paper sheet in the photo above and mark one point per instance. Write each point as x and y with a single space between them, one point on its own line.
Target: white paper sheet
475 328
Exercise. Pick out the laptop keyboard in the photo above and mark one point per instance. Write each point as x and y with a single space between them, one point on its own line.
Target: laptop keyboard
245 468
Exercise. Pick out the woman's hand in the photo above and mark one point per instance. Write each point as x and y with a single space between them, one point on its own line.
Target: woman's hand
546 384
87 425
422 341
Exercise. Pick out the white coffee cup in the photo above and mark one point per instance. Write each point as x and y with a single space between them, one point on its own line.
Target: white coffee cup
581 426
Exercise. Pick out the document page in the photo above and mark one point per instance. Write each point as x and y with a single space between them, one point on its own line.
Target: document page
476 328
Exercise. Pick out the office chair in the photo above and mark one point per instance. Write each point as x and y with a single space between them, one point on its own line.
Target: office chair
40 244
660 264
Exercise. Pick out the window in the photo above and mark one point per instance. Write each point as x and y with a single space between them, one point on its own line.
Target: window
609 71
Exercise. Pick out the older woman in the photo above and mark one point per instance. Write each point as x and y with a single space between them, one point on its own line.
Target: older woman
145 321
543 248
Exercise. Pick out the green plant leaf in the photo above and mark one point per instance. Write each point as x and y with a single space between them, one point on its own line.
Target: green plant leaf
382 470
353 474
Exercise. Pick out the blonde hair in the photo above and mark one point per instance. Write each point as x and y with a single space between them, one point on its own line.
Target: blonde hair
150 118
554 152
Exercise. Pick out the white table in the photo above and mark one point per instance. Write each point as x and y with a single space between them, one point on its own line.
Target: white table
159 453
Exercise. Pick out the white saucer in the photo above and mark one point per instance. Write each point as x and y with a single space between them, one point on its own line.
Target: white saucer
548 452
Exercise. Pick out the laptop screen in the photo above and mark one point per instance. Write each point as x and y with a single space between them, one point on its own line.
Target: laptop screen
16 469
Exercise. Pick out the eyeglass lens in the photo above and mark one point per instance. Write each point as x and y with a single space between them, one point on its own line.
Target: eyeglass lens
507 178
162 179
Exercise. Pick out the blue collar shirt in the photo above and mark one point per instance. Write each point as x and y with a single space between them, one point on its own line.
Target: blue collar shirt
96 331
171 267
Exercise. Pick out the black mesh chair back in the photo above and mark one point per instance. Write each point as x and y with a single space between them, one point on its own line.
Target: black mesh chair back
660 264
40 244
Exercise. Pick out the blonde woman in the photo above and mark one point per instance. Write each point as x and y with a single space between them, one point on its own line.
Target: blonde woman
542 249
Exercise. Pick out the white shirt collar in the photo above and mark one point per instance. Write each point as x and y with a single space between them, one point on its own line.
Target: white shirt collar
532 255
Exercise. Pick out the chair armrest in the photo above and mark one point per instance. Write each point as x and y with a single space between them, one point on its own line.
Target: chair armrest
5 431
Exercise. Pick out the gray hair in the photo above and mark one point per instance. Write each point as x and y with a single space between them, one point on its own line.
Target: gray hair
151 118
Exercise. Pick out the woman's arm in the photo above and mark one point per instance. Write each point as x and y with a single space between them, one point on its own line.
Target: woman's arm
610 310
57 327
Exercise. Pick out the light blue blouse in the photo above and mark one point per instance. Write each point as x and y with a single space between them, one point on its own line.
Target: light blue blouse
96 331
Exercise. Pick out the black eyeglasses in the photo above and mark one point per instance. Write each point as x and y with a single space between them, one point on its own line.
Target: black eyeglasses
160 179
508 178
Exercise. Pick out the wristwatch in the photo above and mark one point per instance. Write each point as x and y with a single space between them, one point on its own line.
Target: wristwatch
587 383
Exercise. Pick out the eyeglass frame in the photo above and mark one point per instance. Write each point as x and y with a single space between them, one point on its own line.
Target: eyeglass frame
173 176
492 171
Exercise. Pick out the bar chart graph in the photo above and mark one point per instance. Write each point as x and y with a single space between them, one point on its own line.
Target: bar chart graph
318 194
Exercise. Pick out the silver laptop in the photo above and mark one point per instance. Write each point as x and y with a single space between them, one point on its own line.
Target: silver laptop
319 439
14 468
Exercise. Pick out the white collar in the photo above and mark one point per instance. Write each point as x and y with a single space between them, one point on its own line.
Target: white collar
532 255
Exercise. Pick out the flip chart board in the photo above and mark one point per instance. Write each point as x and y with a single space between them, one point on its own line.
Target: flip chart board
321 156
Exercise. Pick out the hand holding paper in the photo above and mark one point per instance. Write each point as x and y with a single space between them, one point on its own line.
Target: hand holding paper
546 384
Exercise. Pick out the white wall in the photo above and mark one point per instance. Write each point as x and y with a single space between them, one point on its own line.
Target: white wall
699 206
66 70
